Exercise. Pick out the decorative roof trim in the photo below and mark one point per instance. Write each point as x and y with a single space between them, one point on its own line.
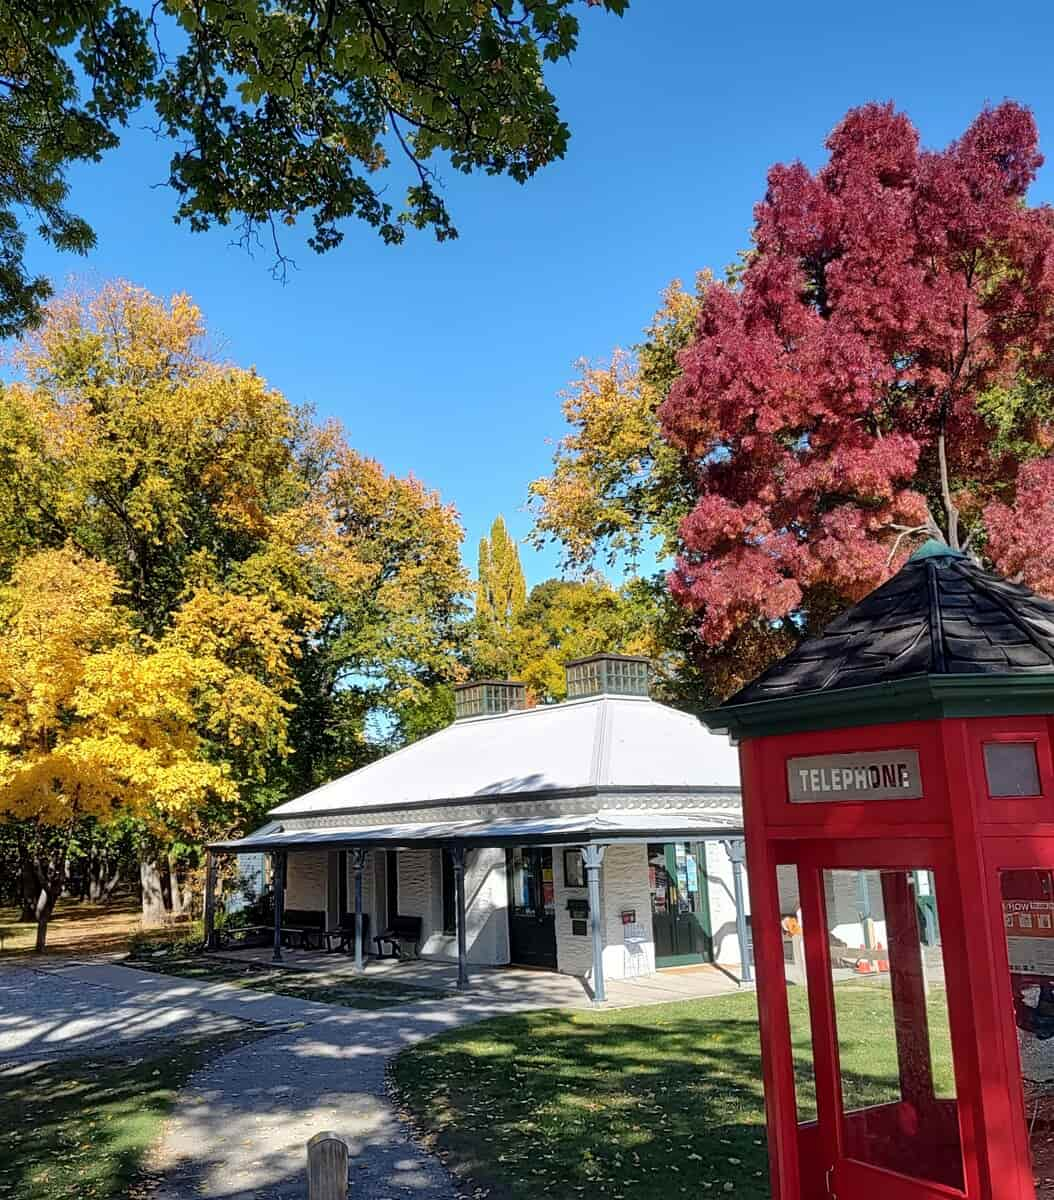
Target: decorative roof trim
703 791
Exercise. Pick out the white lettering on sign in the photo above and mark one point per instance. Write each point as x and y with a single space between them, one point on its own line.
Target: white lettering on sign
875 775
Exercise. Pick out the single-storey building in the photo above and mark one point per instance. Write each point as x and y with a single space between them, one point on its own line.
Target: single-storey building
600 836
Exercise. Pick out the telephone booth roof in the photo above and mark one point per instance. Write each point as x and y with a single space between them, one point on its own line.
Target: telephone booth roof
942 638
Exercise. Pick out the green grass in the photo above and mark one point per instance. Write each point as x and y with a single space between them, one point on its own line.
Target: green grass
646 1103
79 1129
326 987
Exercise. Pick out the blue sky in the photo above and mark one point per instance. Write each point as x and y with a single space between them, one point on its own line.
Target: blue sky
447 360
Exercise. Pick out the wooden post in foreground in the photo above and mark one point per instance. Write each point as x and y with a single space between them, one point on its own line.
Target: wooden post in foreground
327 1167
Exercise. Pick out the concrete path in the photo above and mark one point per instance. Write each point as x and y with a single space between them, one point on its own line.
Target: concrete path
238 1131
54 1013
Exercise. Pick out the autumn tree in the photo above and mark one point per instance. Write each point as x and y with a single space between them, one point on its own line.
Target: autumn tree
372 675
98 720
619 491
564 619
500 593
239 529
880 375
276 111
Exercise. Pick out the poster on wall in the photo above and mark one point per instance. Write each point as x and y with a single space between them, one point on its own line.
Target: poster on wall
1030 936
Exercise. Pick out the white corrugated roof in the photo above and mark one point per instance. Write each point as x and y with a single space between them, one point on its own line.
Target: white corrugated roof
603 743
600 826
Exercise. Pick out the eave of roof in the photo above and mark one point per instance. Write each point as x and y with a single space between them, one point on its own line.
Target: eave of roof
600 828
916 698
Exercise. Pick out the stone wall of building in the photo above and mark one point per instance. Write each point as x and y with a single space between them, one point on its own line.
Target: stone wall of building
574 952
306 875
628 950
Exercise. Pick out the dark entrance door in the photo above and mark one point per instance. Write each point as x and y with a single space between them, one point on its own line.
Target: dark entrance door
532 906
680 914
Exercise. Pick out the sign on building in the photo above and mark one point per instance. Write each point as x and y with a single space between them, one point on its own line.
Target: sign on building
868 775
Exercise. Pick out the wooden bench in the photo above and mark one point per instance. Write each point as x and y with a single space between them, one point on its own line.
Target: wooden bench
301 925
244 936
401 931
344 933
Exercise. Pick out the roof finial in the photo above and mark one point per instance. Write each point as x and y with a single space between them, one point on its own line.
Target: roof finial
935 548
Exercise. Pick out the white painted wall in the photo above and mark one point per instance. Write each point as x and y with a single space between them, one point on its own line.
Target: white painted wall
720 890
626 886
486 911
252 874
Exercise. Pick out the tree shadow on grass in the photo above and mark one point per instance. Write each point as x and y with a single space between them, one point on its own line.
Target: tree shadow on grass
650 1103
80 1128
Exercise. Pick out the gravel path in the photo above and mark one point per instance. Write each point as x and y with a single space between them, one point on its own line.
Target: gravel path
238 1131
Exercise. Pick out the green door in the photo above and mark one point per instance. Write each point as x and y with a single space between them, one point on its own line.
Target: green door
680 910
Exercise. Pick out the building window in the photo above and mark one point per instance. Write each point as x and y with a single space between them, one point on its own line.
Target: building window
449 894
574 869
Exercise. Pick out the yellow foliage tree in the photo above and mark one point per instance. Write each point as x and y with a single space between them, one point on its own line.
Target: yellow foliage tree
97 720
311 591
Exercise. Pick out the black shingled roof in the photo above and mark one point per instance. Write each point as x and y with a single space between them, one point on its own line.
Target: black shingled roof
941 614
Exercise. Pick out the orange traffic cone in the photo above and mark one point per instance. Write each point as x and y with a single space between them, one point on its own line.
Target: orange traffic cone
864 966
883 963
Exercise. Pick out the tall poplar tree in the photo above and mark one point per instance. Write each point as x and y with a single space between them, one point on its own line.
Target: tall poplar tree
501 593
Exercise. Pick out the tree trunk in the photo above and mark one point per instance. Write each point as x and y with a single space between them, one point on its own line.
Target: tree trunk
49 867
177 900
153 898
30 891
44 908
109 885
96 868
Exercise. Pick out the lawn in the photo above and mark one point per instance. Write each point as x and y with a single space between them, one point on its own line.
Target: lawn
75 928
327 987
646 1103
80 1129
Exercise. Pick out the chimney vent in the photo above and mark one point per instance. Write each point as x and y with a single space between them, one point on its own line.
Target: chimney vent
488 697
608 675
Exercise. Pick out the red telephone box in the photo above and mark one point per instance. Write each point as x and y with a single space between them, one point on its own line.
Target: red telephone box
899 807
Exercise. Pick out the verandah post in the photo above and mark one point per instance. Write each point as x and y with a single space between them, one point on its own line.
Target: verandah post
457 857
209 914
736 849
593 858
358 863
278 864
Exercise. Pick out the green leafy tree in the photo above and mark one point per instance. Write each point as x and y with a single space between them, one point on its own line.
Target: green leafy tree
278 111
565 619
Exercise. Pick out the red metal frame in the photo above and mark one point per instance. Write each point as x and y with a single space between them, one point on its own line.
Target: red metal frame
966 837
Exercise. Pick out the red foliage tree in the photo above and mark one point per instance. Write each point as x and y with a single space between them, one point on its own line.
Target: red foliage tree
880 374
